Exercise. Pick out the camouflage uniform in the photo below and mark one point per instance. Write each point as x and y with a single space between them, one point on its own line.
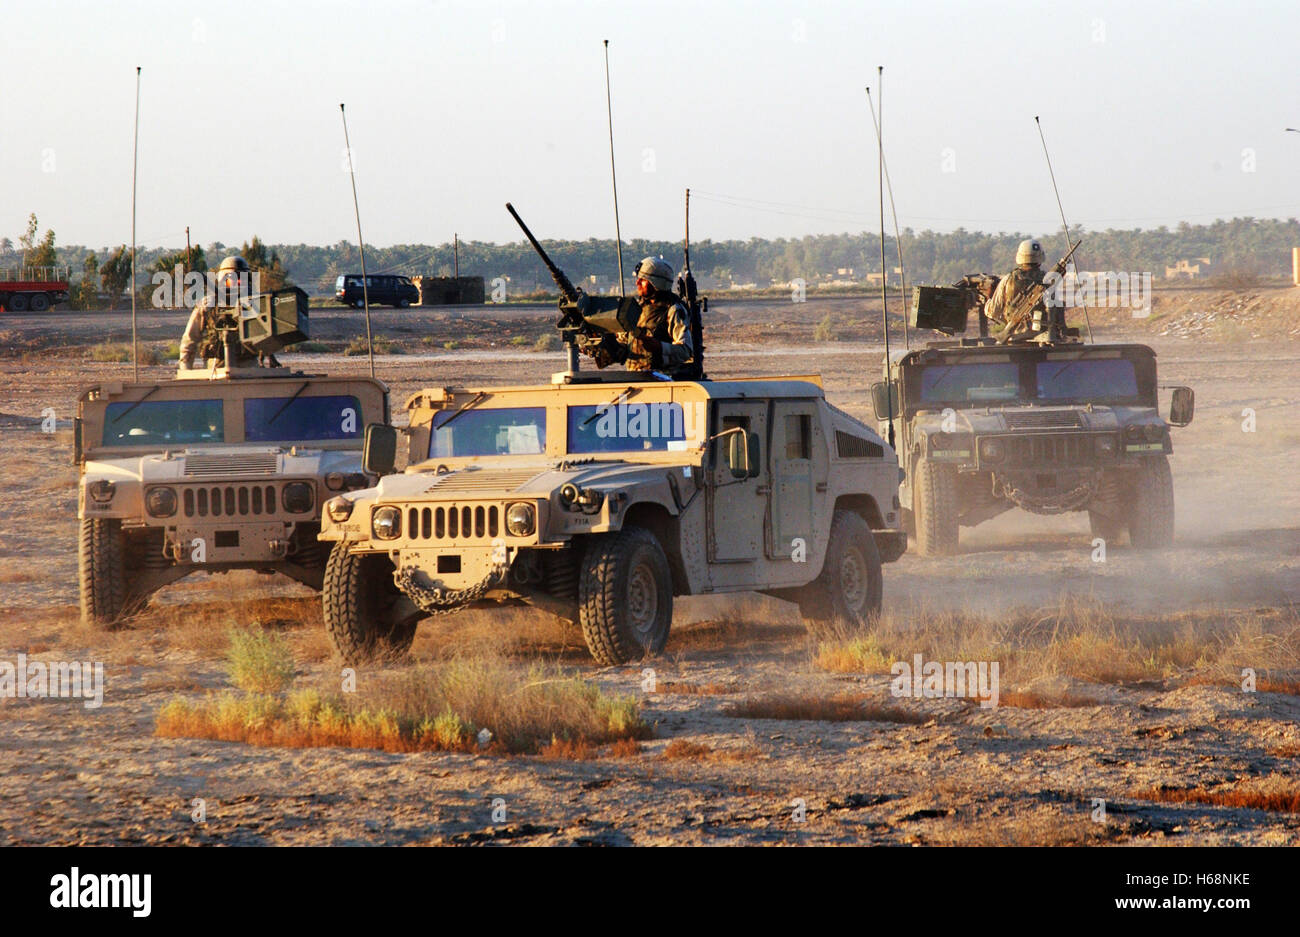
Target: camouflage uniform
1012 286
666 319
202 339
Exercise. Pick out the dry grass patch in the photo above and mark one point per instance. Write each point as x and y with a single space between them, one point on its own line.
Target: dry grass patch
1289 750
1080 639
1284 798
440 708
686 750
1034 699
842 708
692 689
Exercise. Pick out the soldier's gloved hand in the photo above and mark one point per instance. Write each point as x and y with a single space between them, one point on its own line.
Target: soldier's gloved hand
650 343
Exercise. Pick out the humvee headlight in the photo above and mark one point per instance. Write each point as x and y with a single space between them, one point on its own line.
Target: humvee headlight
298 497
992 450
1154 432
102 491
386 522
160 502
521 519
941 440
1105 445
334 481
1133 432
338 509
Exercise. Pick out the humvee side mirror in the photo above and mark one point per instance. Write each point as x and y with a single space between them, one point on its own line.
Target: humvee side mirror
884 399
743 455
76 441
1181 406
379 455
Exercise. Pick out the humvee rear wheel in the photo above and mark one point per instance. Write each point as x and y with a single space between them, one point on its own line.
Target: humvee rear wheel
101 572
936 509
365 616
849 589
625 596
1151 522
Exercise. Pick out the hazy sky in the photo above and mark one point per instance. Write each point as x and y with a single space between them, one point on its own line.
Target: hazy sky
1155 112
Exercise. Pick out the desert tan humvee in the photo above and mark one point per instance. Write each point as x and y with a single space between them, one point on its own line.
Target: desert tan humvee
601 499
219 469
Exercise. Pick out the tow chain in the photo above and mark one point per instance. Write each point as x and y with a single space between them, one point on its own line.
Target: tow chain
1070 501
436 601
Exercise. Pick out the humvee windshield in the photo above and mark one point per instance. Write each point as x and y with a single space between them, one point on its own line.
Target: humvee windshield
163 422
1084 378
506 431
970 382
270 419
632 427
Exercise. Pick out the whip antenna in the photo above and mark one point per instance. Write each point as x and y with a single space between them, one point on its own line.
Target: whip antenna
135 159
898 241
618 234
1059 208
361 244
884 277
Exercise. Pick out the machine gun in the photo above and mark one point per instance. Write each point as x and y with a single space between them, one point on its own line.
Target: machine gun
587 324
259 326
1021 309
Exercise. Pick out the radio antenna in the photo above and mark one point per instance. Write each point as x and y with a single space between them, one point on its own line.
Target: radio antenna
880 181
1064 224
135 159
898 241
361 244
618 234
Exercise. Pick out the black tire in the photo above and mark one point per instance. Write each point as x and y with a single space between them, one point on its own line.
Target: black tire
625 596
359 304
38 302
1151 521
402 304
848 592
359 604
101 572
936 508
1108 528
18 302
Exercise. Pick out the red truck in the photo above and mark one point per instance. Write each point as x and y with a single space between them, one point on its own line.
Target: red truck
34 288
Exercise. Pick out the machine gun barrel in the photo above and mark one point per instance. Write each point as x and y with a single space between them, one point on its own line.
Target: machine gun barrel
568 291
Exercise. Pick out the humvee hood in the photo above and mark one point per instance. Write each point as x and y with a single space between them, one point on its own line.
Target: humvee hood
189 465
1035 419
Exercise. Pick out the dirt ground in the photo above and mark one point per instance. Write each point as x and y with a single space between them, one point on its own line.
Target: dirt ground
69 774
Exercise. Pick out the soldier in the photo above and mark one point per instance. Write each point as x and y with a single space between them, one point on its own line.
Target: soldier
662 340
203 338
1028 273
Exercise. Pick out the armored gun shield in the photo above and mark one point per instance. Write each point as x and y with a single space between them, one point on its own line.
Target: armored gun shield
941 308
273 320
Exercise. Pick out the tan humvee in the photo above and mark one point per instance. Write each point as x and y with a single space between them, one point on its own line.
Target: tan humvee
219 469
601 499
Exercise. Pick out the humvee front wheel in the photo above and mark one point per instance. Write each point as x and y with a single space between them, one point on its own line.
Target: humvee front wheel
625 596
101 572
936 508
1106 527
849 589
365 616
1151 523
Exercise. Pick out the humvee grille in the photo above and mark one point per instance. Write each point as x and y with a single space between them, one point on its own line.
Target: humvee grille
1045 419
1049 450
254 463
228 501
453 522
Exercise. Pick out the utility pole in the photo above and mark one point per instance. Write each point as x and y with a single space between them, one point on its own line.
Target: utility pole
456 253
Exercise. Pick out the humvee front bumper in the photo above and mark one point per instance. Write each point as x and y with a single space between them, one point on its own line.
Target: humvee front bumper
202 544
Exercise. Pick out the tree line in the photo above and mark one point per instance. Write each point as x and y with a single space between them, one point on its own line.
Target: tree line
1248 248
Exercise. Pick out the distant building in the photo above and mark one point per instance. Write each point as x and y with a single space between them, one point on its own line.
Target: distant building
449 291
1186 268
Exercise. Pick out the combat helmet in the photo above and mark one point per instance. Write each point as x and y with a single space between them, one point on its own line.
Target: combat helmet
657 271
1029 252
236 263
